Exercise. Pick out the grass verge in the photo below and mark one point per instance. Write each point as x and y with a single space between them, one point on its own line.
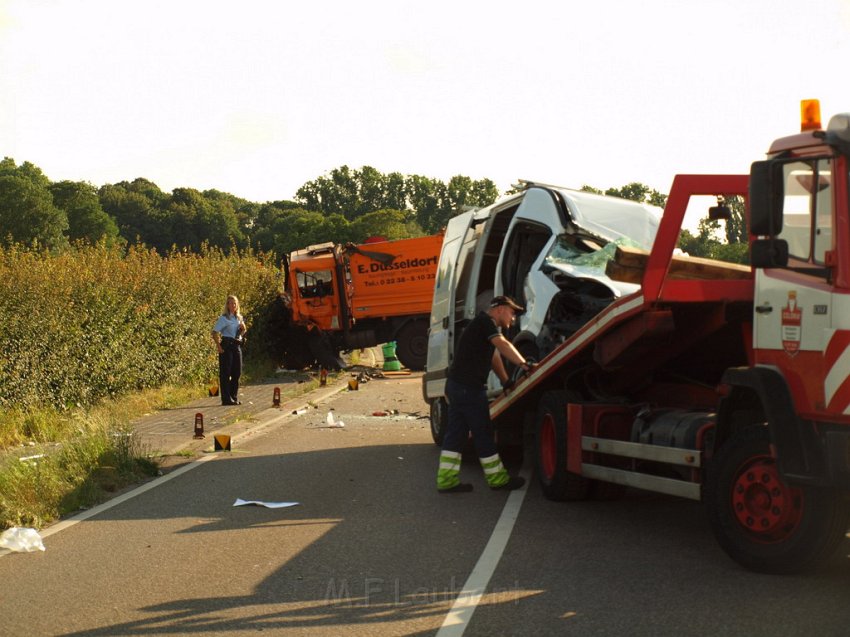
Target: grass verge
55 462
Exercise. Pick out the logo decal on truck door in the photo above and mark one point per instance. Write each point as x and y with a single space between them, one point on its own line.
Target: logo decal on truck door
792 328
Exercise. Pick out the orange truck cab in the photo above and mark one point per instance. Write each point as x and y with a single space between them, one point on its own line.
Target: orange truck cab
355 296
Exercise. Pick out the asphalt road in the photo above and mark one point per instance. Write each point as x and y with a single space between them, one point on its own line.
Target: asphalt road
371 548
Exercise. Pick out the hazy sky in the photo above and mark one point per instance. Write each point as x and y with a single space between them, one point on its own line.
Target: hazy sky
257 98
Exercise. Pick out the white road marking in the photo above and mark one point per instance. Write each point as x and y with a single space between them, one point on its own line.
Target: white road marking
461 612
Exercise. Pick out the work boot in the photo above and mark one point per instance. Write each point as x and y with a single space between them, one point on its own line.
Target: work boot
461 487
513 483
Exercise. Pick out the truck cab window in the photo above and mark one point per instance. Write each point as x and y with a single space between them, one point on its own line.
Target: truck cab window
807 210
315 284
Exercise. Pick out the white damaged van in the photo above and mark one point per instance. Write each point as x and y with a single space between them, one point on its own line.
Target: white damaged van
545 246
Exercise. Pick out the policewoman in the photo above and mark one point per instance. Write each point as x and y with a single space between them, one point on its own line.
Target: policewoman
228 336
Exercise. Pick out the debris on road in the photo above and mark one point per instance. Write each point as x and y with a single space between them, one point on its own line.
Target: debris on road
21 540
269 505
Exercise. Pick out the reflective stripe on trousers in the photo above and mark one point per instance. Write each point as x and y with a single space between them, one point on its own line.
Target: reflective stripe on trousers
494 470
448 475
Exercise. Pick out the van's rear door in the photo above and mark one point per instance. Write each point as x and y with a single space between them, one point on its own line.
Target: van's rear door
440 334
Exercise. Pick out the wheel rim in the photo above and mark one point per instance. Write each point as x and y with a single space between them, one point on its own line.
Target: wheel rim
436 419
765 507
548 448
419 345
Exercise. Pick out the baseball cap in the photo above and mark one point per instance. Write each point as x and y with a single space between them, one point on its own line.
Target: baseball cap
506 300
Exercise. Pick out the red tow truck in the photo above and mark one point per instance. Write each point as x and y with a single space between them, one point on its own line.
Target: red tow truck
715 382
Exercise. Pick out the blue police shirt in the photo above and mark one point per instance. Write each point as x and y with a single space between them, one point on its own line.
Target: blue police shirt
227 325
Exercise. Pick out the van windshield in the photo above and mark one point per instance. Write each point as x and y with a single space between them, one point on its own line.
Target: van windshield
584 256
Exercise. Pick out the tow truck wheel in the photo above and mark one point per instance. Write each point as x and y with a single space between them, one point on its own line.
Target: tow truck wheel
439 419
412 345
762 522
551 450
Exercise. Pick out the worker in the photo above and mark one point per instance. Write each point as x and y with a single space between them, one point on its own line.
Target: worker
481 348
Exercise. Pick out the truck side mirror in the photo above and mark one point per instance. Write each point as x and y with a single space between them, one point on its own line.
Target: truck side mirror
769 253
766 196
720 212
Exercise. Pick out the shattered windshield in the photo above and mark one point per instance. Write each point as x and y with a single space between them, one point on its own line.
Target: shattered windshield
569 250
601 224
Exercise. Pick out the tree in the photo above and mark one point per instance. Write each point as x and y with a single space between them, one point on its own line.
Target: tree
86 218
27 212
736 225
706 244
390 224
336 194
395 192
263 227
137 210
426 196
196 219
354 193
299 228
635 191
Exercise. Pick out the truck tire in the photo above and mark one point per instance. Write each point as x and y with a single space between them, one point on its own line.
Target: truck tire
297 354
550 444
412 345
439 419
760 521
323 350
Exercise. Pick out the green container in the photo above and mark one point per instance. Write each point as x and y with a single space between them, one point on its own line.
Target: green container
391 363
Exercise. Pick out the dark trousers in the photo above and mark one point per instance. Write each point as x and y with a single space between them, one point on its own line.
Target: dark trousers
469 412
229 371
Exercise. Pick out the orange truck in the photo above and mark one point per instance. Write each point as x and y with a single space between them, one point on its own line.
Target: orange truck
344 297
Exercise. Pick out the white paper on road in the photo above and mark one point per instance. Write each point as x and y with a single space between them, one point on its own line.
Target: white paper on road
269 505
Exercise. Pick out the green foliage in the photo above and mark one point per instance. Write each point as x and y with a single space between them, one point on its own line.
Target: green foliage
93 322
635 191
390 224
705 243
354 193
186 218
27 213
86 218
736 226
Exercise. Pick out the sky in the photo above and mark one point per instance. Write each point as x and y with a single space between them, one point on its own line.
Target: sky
256 98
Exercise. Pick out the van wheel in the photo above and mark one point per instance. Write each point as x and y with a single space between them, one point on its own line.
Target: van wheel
762 522
551 450
439 419
412 345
